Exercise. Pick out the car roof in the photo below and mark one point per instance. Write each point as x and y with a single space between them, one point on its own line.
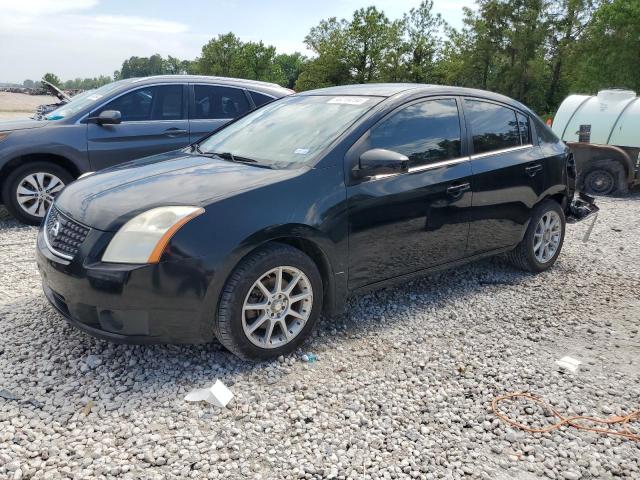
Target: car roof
238 82
412 90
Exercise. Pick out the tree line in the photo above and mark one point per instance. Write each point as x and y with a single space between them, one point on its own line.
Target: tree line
537 51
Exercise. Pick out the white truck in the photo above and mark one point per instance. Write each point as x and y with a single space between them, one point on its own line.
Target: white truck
603 132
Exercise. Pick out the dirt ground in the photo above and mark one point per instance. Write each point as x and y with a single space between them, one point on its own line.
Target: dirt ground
20 105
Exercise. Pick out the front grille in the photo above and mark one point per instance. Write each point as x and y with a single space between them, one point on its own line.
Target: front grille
64 236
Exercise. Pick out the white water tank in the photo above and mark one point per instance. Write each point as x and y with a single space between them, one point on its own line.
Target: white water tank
610 118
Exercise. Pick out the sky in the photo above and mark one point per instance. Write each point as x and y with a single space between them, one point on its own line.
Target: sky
87 38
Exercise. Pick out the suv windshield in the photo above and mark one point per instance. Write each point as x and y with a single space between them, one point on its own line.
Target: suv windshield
290 131
83 100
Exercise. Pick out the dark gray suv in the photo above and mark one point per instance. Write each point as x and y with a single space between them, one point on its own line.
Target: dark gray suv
121 121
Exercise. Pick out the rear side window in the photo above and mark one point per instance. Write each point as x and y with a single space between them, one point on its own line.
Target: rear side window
493 127
426 132
524 128
544 133
212 102
163 102
260 98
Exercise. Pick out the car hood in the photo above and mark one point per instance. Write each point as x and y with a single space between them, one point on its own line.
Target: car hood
12 125
55 91
107 199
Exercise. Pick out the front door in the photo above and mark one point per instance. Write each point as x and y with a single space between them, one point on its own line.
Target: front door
508 175
153 121
213 106
407 222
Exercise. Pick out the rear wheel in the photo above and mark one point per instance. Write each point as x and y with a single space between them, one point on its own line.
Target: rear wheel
270 303
542 242
30 189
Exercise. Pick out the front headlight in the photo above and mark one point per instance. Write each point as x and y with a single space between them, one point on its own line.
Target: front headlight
144 238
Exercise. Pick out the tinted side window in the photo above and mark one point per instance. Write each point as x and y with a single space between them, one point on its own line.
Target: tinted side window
493 127
219 102
544 133
260 98
151 103
524 128
426 132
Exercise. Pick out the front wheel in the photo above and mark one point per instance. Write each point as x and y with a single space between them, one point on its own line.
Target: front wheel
542 242
30 189
270 303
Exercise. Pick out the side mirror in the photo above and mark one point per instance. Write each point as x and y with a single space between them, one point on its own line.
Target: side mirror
107 117
381 162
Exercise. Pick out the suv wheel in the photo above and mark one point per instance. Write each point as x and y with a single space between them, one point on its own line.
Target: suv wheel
542 242
270 303
29 190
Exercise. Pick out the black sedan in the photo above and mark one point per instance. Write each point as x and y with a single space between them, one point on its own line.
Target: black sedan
253 232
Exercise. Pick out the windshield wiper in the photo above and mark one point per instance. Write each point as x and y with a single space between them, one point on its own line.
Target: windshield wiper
229 157
233 158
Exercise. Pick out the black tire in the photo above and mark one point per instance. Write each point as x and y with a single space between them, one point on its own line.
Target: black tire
228 324
604 178
523 256
16 178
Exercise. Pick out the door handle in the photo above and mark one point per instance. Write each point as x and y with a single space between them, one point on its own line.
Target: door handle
458 189
532 170
174 132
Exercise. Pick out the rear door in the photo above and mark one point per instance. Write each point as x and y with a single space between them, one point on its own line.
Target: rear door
212 106
508 174
154 120
404 223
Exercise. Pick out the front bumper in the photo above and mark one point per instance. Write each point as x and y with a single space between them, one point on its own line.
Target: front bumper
160 303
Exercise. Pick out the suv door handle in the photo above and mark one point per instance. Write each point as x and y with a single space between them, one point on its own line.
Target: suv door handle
456 190
533 169
174 132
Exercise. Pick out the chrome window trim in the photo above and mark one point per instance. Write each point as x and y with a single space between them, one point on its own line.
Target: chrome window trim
425 168
46 239
501 151
442 163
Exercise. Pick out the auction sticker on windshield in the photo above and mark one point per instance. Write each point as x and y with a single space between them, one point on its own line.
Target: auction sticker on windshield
348 100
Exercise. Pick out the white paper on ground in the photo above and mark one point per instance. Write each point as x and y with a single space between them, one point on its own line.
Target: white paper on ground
569 363
218 394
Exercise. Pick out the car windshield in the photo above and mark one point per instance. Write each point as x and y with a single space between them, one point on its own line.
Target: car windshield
82 101
290 131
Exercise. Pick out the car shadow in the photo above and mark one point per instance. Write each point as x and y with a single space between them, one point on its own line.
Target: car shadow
8 222
111 372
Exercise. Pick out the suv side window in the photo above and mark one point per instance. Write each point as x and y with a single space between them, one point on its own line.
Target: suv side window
260 98
163 102
426 132
213 102
493 127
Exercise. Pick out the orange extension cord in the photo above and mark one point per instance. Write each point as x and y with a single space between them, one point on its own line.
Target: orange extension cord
571 421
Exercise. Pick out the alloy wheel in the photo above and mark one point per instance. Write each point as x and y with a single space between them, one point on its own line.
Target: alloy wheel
36 191
277 307
546 239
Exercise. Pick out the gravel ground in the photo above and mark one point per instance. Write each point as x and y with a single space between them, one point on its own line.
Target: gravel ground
402 386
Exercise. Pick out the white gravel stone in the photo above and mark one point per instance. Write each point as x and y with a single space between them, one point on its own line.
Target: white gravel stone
403 390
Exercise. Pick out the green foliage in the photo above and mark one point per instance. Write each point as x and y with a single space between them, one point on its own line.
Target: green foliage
153 65
537 51
51 78
608 54
87 83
